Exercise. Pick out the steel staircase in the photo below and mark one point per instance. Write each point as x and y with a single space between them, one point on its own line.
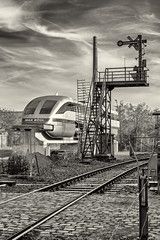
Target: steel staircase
95 121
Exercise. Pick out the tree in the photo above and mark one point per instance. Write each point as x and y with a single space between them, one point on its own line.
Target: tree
134 120
7 119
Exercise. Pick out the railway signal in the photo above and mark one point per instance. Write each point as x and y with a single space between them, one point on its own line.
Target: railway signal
132 42
97 138
137 44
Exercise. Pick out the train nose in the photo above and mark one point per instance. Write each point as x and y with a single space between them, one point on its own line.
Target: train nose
48 127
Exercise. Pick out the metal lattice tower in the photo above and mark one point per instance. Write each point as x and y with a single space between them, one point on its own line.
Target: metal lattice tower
97 140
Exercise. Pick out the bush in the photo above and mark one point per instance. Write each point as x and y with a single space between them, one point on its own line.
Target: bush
17 164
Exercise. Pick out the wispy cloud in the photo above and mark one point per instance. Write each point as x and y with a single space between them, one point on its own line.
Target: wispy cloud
149 17
59 32
49 43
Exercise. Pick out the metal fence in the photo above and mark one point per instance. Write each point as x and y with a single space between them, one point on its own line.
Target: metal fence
143 144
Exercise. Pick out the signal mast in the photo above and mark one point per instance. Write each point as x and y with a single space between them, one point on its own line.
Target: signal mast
97 139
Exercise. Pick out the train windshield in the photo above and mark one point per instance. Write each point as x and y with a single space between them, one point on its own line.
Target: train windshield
67 107
31 107
47 107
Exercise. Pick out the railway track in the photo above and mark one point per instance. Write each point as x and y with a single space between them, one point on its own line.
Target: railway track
40 202
61 184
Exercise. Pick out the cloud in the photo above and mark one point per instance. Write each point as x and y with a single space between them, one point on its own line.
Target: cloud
49 43
151 32
10 16
59 32
149 17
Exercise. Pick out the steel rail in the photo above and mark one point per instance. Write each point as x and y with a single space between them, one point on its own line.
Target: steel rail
69 181
104 186
98 189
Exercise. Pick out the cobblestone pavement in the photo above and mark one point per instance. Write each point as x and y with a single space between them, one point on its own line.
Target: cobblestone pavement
102 217
105 216
18 214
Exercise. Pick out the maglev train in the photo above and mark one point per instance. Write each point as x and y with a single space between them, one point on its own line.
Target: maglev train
54 115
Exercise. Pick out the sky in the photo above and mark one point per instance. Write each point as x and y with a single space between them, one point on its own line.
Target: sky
46 46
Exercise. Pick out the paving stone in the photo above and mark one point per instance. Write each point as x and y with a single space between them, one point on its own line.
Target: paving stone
108 209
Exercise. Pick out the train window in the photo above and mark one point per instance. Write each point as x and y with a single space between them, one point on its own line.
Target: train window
67 107
47 107
31 107
72 107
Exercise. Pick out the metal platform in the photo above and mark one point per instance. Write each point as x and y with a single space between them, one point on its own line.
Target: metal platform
123 77
119 84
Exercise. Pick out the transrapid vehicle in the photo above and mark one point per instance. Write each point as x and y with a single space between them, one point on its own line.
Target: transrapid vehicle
59 117
54 115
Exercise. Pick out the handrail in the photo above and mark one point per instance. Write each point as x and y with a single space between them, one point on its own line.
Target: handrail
125 73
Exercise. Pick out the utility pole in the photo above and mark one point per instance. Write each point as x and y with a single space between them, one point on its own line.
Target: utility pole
119 110
95 68
95 60
140 55
157 145
143 207
157 125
